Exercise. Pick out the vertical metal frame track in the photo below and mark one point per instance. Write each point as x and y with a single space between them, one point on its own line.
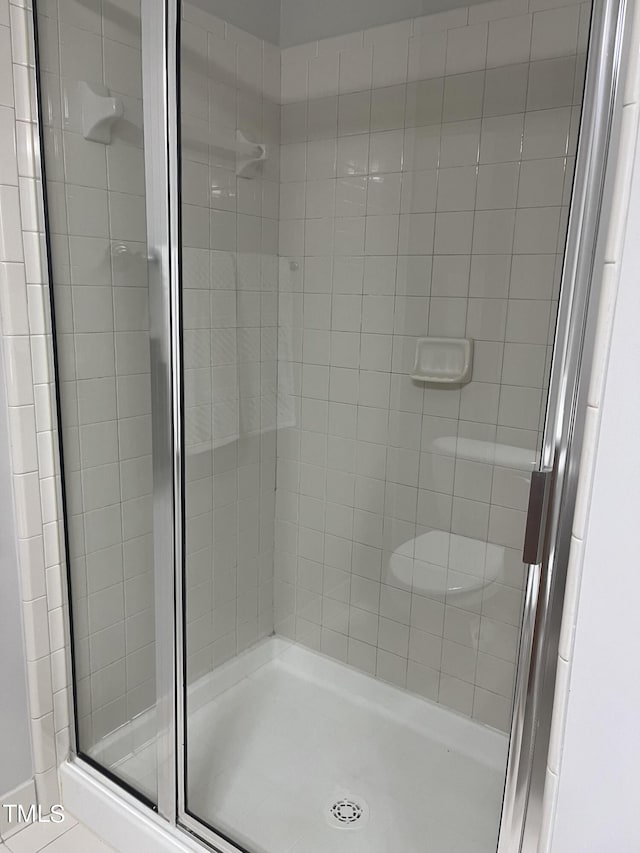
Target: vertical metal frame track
159 33
522 814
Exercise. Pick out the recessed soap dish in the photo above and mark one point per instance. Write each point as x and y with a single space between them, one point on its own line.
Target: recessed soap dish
443 361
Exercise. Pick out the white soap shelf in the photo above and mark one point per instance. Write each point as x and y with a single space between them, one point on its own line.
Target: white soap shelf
443 361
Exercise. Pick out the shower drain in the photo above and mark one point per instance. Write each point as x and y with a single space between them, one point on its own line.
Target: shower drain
347 813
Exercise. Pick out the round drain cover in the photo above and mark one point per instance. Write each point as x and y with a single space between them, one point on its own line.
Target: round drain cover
347 812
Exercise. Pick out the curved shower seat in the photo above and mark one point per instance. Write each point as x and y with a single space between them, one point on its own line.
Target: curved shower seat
447 567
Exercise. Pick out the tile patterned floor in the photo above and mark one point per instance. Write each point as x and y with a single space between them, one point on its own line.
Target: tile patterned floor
66 837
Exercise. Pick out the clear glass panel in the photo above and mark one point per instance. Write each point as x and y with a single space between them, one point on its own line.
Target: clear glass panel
88 52
353 182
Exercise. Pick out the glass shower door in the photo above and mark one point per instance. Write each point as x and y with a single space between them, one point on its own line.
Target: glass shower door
357 193
94 136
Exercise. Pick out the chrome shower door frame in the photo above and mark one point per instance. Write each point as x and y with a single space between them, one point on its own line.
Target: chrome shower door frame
522 810
160 109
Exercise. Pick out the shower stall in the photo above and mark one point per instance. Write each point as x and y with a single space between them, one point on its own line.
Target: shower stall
320 276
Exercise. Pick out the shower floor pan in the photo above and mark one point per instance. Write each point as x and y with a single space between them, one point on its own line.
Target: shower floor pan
293 752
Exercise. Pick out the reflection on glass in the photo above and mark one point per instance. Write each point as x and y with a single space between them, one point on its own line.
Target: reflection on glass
97 223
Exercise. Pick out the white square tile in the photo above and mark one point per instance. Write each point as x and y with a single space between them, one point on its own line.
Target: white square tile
501 139
22 429
497 186
351 196
19 380
318 237
87 212
353 155
321 159
294 81
383 194
492 709
8 171
323 76
489 276
447 316
123 68
426 56
463 94
419 191
460 142
388 107
519 407
377 314
322 118
6 76
551 83
10 230
456 694
390 62
386 151
546 133
509 41
293 160
493 232
424 102
488 357
354 113
555 32
320 198
524 365
541 183
450 276
506 90
24 95
355 69
381 235
417 233
528 321
532 276
13 302
457 188
453 233
466 49
421 148
349 235
536 230
486 319
380 275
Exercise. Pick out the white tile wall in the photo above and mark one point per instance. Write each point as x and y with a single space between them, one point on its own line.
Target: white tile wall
425 178
230 244
28 377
